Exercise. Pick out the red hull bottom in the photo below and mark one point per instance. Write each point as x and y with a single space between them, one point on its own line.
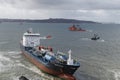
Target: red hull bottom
47 70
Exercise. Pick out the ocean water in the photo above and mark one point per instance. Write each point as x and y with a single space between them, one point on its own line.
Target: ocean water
100 60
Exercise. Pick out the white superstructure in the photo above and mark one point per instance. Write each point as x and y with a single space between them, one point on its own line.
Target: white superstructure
70 60
31 39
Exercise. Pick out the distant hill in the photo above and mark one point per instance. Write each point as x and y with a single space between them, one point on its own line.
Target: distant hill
51 20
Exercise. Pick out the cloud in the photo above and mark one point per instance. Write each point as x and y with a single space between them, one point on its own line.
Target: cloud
64 4
95 10
79 4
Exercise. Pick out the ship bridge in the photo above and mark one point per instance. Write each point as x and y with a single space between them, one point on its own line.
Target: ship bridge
31 39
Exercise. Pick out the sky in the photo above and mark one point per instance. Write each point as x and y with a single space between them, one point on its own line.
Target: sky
93 10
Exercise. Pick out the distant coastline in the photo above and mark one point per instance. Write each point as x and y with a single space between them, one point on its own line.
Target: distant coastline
51 20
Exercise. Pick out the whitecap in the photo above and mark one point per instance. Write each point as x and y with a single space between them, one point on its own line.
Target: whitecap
116 73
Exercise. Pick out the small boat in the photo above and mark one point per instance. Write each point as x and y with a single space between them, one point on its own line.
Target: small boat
58 64
74 28
95 37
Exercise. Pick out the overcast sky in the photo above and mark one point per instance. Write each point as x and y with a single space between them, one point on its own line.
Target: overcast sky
94 10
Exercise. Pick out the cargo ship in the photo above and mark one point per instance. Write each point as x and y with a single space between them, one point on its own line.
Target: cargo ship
58 64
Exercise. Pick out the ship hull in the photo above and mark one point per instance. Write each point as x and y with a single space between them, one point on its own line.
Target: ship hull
46 67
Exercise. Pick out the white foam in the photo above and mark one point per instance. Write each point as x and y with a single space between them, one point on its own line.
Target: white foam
32 68
35 70
17 61
4 62
14 52
117 76
17 56
101 40
3 58
116 73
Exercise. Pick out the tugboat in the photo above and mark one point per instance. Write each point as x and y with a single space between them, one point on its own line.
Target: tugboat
74 28
58 64
95 37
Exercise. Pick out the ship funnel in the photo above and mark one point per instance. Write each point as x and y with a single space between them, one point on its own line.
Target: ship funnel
70 60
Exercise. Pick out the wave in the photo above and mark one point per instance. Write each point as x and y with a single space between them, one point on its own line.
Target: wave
5 63
31 68
8 60
3 58
14 52
36 70
116 73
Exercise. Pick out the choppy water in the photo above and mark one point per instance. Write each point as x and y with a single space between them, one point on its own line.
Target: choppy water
100 60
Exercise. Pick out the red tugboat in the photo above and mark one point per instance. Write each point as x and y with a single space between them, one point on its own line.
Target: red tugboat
74 28
58 64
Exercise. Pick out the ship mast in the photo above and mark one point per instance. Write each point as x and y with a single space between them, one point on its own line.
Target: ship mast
70 60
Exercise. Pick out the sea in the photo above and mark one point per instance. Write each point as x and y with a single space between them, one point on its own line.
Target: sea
99 60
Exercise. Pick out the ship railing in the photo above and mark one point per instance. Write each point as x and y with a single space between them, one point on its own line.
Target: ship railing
61 53
59 60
